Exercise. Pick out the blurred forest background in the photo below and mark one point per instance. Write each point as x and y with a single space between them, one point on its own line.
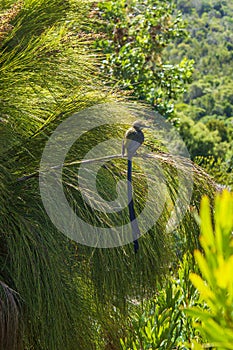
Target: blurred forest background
206 108
63 57
182 65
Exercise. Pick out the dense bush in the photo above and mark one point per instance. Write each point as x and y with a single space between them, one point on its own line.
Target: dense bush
215 281
197 315
206 112
135 36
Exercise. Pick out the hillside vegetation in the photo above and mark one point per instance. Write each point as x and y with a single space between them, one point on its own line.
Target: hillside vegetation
177 57
206 110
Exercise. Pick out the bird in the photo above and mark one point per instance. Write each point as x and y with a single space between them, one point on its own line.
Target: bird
134 138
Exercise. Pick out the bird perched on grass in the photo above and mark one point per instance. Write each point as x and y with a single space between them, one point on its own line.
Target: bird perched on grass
134 137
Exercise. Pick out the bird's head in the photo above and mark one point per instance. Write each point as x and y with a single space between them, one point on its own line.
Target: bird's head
139 125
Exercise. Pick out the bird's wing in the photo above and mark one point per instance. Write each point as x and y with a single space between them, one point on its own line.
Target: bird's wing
131 144
130 133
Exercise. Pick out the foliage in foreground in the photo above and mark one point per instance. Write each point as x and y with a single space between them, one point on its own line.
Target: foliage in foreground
215 282
45 72
162 323
193 310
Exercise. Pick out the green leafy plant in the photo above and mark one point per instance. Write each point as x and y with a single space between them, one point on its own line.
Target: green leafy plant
215 281
135 35
162 322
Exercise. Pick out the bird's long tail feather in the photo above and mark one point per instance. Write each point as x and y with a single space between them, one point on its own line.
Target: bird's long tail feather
132 216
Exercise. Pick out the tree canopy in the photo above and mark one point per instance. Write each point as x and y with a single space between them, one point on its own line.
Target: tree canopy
206 110
135 35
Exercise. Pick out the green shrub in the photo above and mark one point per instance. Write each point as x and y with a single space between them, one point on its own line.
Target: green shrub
163 323
215 283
